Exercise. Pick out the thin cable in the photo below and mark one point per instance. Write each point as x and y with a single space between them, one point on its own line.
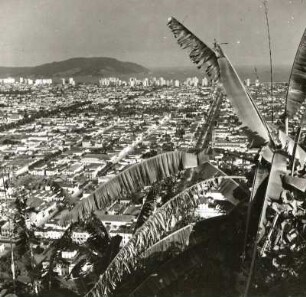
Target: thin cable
265 3
251 270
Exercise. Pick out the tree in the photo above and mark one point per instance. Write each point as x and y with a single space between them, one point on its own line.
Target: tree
23 252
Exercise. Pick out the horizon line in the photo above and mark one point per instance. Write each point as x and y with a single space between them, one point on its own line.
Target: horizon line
149 67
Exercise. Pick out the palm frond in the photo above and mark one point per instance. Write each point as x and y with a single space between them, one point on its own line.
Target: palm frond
199 52
132 180
296 93
161 222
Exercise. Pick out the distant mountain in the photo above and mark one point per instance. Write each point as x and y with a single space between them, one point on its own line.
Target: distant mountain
99 67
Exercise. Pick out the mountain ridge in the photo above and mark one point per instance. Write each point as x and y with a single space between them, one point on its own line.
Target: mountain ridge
79 66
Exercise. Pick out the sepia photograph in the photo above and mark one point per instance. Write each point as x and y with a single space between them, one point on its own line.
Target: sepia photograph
152 148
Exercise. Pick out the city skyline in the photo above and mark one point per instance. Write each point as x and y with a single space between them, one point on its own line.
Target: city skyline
123 180
38 32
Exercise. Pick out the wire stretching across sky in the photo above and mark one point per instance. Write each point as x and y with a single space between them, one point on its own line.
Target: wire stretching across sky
266 7
41 31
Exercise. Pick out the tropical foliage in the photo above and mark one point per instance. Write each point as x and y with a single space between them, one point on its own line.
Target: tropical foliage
297 83
132 180
279 199
227 77
160 223
256 246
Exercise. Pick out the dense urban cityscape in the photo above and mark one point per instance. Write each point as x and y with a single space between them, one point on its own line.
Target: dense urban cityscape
127 172
60 141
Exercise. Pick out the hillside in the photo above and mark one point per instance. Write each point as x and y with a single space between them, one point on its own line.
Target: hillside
76 67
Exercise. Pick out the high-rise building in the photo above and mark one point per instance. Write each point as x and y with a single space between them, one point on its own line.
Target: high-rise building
204 82
248 82
71 81
145 82
162 81
132 82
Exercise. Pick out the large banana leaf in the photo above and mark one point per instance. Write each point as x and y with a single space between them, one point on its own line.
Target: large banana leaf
178 238
295 182
229 188
261 174
224 72
288 144
256 202
132 180
297 83
172 270
199 52
267 153
176 270
245 108
217 245
274 188
184 237
160 223
169 247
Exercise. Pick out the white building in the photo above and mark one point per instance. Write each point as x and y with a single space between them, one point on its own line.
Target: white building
8 80
71 81
204 82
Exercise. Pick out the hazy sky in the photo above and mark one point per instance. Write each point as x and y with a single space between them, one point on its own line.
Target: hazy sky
39 31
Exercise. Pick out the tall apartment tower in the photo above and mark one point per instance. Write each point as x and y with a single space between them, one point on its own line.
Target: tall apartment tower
205 82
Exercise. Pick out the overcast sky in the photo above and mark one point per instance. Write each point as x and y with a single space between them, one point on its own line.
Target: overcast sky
33 32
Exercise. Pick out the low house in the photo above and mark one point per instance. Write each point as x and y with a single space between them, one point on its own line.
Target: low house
95 159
